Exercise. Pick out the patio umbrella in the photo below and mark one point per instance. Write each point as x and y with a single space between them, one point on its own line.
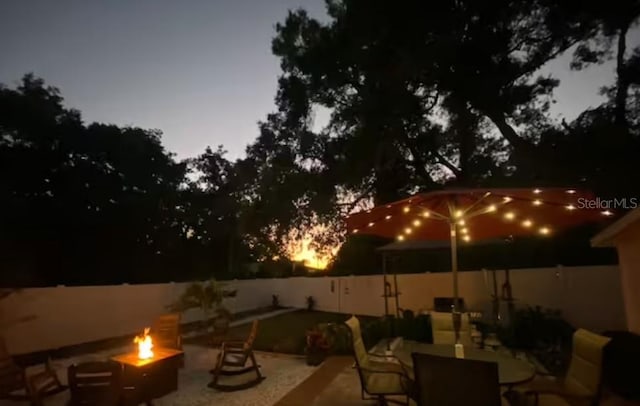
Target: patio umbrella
464 215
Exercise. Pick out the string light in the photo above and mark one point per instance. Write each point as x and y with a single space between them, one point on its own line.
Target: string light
527 223
355 231
458 213
570 207
461 222
406 209
507 199
370 224
607 213
510 215
416 223
571 191
400 237
387 217
537 191
466 238
544 231
537 202
464 230
425 214
491 208
407 230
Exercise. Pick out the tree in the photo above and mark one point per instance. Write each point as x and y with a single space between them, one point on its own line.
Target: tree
82 202
424 95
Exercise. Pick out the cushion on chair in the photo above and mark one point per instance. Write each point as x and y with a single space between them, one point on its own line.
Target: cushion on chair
585 369
359 350
444 332
384 383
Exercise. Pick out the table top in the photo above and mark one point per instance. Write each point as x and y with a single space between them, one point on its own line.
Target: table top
159 354
511 370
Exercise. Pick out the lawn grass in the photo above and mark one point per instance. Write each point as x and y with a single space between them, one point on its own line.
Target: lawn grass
285 333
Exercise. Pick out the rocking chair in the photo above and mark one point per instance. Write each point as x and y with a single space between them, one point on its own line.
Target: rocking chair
16 385
232 360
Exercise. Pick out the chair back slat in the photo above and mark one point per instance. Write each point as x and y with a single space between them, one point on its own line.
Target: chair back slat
252 336
455 382
165 331
95 383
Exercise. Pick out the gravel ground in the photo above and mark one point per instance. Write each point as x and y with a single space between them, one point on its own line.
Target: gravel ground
282 372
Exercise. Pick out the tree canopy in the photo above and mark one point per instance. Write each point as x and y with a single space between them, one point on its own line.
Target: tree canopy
420 96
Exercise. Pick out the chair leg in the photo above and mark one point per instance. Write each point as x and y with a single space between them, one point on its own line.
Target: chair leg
255 365
217 370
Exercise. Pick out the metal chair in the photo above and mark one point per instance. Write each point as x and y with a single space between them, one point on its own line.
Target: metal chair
455 382
444 332
582 383
232 360
378 379
95 384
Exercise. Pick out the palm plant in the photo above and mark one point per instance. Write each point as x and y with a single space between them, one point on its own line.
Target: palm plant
206 296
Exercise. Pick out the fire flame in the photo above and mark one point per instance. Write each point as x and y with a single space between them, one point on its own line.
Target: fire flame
145 344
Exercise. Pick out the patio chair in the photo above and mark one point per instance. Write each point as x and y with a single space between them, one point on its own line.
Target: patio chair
582 383
455 382
15 384
166 331
444 332
378 378
232 360
221 326
95 384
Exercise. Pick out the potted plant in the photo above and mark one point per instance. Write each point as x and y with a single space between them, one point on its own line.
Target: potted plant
206 296
311 303
317 347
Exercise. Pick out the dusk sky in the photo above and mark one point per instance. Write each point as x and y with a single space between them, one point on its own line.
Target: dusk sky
200 71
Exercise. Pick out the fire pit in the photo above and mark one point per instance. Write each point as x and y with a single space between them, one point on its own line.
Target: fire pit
149 373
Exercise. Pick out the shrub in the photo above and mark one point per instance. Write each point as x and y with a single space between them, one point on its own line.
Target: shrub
311 303
338 337
206 296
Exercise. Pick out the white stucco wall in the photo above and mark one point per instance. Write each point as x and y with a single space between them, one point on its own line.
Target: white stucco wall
589 297
628 245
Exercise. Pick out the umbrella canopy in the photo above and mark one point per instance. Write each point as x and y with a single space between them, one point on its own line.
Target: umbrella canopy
465 215
479 214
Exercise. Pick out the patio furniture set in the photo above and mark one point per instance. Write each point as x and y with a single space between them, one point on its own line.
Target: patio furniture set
128 379
452 372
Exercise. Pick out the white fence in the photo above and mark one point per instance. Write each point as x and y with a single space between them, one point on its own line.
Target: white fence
588 296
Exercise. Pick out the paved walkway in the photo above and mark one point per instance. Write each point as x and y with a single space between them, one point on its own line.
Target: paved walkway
262 316
246 320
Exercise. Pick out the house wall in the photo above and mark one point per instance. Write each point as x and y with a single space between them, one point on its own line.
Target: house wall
589 297
628 245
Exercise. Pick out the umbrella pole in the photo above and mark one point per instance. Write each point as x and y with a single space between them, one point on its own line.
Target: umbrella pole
454 271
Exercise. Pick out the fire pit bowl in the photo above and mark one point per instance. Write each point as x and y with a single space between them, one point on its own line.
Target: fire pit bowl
149 374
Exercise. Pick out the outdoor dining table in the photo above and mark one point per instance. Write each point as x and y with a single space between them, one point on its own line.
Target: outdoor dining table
511 371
